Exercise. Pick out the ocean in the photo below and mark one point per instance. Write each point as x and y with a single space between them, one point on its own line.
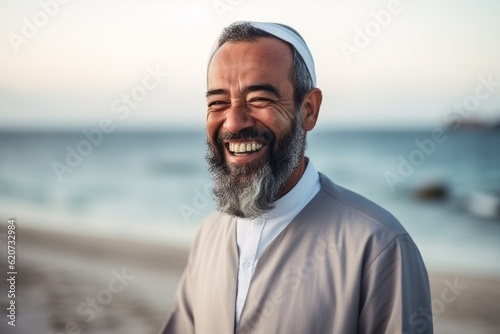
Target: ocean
154 185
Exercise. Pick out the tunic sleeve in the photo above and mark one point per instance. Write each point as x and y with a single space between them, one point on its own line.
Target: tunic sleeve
180 317
395 290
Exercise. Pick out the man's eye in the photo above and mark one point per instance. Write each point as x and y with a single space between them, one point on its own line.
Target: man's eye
259 100
216 103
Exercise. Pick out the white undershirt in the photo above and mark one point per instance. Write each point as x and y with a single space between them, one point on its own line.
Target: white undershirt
254 235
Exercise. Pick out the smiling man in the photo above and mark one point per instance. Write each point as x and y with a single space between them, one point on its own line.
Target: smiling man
288 251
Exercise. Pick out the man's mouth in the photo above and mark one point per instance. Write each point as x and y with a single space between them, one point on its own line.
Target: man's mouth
244 148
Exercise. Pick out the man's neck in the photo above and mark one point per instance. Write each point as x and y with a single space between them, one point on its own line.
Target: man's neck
297 174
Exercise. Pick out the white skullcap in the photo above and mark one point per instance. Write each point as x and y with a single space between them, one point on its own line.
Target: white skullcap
287 34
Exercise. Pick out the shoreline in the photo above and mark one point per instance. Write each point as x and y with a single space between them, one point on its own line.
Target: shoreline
58 272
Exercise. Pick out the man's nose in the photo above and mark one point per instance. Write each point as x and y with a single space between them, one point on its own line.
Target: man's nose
238 118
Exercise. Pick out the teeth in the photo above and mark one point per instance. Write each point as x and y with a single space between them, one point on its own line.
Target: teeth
244 147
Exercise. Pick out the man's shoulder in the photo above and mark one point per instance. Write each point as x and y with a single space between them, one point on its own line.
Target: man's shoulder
215 231
215 224
354 210
215 220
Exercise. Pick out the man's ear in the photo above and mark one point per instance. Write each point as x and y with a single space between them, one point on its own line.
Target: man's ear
310 108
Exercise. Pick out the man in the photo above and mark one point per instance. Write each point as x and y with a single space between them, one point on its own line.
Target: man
288 251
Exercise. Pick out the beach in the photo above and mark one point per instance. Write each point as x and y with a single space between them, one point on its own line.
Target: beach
59 276
79 284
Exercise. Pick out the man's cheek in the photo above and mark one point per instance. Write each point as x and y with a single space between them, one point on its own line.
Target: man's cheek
282 120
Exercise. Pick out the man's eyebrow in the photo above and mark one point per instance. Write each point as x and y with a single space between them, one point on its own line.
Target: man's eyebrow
253 88
265 87
216 92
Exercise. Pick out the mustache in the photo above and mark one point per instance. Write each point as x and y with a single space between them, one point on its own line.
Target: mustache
263 135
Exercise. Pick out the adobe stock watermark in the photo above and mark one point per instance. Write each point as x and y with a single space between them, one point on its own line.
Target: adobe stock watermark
224 6
201 200
30 28
121 106
363 36
88 310
454 117
423 317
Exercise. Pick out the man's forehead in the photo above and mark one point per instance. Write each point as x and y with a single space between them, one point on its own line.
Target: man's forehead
267 60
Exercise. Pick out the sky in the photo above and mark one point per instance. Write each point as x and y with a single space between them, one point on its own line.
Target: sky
73 64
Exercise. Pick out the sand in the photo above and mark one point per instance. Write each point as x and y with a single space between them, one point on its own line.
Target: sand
60 275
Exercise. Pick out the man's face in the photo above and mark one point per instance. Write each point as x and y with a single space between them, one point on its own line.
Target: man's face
255 136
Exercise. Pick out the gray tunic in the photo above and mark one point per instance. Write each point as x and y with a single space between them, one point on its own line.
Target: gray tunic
343 265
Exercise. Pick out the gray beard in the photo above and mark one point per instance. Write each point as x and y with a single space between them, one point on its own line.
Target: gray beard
251 190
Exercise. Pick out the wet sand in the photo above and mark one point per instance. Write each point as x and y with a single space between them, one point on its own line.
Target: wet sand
67 284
